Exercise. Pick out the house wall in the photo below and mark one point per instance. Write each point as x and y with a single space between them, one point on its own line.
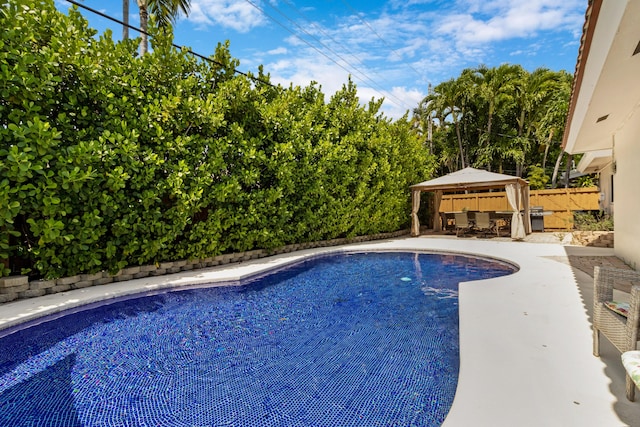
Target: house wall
606 187
626 154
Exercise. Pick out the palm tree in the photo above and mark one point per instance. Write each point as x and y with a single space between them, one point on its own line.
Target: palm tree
447 101
125 19
503 116
494 87
165 13
531 93
553 118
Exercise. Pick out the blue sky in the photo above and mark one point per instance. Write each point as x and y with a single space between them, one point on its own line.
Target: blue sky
392 49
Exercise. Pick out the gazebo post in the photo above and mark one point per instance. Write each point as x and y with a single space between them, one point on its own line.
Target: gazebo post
415 206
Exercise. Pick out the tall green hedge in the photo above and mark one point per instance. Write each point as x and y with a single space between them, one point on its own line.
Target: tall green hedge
108 159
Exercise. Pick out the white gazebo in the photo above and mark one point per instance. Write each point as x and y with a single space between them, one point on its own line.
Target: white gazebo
517 190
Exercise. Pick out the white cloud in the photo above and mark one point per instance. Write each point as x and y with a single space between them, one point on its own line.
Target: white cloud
403 45
486 21
235 14
301 71
278 51
410 98
411 49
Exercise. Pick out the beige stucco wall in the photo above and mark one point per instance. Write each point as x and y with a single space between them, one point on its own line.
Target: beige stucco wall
626 184
607 198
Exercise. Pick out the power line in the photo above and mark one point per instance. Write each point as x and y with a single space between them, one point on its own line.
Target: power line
378 35
291 5
368 78
362 73
235 70
205 58
261 10
344 47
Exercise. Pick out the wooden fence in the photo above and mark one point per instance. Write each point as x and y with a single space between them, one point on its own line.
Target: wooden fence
562 202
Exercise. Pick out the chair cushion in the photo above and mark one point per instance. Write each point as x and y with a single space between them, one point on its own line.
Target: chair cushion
619 307
631 363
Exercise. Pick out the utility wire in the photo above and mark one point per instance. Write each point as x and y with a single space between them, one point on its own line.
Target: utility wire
345 48
378 35
300 28
235 70
314 47
205 58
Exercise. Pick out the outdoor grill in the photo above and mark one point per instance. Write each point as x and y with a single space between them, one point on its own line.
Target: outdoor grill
537 214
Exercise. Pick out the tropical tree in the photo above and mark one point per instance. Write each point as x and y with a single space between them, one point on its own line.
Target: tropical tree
164 12
447 102
551 122
494 87
502 118
125 19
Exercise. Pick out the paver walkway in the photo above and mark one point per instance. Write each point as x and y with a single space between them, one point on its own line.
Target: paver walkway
586 263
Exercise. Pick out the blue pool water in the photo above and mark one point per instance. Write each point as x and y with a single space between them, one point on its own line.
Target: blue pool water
343 340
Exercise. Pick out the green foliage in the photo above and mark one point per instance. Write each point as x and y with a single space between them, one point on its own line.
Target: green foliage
537 178
585 181
109 159
503 119
590 221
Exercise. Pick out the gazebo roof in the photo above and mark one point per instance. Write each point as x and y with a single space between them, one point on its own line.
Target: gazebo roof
468 179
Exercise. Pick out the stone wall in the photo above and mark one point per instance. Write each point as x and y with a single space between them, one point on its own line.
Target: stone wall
599 239
20 287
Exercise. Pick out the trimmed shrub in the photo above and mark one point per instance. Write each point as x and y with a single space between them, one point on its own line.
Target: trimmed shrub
110 160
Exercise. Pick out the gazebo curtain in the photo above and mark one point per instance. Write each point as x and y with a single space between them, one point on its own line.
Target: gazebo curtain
514 196
415 206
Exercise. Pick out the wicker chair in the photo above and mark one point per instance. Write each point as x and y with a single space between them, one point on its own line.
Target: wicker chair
620 327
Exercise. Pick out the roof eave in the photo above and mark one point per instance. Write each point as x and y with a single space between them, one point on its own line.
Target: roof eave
591 19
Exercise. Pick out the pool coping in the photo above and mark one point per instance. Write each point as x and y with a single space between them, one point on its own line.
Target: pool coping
28 311
525 339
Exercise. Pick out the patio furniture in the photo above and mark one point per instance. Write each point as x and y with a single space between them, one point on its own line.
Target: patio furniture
483 222
448 221
631 363
502 221
516 189
462 223
618 321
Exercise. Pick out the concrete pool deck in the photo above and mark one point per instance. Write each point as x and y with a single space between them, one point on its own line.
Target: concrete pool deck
525 339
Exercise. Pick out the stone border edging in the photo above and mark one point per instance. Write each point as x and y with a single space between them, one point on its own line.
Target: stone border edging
19 287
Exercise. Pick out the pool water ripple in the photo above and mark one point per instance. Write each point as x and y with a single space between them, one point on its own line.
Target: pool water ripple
345 340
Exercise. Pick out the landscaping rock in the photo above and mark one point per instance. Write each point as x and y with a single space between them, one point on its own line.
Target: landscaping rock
82 284
58 288
31 293
42 284
8 297
67 280
13 281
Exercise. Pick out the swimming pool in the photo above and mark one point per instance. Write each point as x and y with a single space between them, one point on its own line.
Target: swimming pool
342 340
